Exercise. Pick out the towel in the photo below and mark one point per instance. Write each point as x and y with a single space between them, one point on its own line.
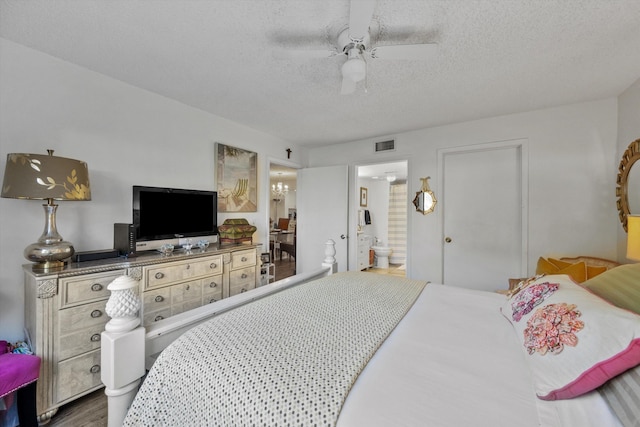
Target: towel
367 216
361 222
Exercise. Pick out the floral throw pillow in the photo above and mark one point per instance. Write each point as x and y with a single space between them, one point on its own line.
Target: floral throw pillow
573 340
551 328
529 297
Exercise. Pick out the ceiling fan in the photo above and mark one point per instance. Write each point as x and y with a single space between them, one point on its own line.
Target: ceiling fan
355 43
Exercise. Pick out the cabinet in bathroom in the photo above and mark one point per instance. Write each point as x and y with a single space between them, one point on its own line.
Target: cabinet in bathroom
364 246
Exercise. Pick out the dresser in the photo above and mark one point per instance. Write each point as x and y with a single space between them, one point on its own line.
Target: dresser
65 310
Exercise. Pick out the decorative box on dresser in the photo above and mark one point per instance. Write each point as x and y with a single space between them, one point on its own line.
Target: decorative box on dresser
64 310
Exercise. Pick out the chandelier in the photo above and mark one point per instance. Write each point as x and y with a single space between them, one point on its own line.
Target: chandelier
279 190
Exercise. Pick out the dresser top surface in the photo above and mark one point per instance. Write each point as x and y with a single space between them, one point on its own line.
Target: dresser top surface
141 259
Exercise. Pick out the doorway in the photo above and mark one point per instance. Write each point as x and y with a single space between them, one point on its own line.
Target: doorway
382 218
283 218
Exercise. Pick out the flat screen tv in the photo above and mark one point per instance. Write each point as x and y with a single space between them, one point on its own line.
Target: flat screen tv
172 213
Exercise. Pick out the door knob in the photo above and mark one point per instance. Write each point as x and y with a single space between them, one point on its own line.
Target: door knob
447 239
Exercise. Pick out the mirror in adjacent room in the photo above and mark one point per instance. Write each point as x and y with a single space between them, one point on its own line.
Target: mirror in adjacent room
628 184
425 201
282 219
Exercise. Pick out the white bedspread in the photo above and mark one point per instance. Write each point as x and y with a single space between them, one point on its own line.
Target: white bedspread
454 361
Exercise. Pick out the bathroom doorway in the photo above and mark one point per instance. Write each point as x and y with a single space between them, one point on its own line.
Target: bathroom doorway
283 217
382 217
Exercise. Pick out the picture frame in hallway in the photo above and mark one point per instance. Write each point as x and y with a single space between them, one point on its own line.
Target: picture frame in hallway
363 196
237 179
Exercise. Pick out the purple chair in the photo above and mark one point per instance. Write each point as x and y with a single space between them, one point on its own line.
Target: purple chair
19 373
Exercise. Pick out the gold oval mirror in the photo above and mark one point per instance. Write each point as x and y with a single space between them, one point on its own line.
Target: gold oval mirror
425 201
628 184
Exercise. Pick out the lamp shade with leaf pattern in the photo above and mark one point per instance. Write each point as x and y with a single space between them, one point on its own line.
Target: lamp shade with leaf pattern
46 177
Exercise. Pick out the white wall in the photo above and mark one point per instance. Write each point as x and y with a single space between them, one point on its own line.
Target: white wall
127 136
572 171
628 130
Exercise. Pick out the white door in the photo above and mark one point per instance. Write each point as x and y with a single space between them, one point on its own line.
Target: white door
323 213
484 214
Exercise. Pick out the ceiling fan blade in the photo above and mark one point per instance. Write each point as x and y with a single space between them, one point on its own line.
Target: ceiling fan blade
405 51
360 17
303 54
348 86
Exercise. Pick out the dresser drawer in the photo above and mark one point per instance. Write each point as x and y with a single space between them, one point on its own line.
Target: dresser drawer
211 289
78 375
80 317
81 341
242 280
175 272
89 287
240 259
186 292
211 297
154 316
157 299
185 306
212 284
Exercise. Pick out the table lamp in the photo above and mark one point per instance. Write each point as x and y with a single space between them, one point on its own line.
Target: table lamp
633 237
46 177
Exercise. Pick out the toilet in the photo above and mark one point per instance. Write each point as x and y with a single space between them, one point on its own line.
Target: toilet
382 256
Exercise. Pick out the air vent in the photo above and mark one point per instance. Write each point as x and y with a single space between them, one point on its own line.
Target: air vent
389 145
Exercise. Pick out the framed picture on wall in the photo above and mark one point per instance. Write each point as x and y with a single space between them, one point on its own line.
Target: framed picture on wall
237 179
363 197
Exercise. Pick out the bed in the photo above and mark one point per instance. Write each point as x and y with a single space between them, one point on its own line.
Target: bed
356 348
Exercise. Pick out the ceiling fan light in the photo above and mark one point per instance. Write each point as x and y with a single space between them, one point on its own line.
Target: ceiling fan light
354 69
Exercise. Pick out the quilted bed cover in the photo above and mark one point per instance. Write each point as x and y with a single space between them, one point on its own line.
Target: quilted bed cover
452 360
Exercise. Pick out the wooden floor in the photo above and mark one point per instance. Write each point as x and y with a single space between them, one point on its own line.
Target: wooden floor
394 270
91 410
285 267
88 411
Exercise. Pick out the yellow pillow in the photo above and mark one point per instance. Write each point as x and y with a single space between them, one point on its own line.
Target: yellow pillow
592 270
559 263
577 271
546 267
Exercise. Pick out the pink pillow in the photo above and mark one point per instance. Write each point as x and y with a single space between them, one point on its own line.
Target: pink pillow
573 340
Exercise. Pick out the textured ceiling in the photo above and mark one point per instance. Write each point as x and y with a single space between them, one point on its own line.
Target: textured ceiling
494 57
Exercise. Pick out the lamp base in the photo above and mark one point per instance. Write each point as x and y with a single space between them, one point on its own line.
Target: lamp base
50 251
49 256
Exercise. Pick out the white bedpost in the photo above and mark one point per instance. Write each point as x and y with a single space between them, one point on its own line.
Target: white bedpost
330 256
122 348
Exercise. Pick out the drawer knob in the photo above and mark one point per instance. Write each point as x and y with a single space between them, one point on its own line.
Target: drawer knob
158 318
159 275
244 259
244 275
187 287
213 265
159 298
95 337
188 266
212 300
95 369
96 287
243 290
213 285
96 313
